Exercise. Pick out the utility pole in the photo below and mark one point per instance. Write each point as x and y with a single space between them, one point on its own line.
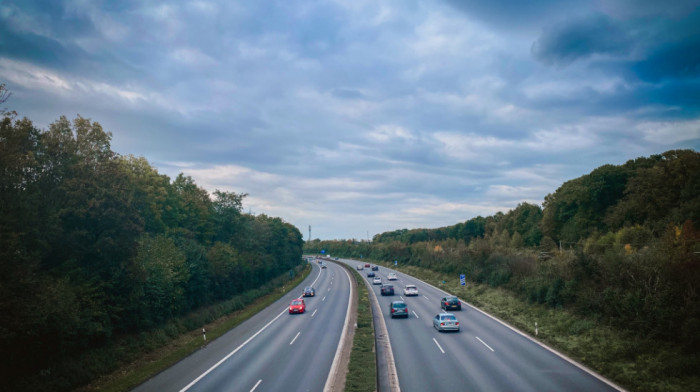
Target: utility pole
309 233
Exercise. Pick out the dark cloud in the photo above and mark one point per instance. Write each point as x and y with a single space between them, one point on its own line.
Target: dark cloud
676 61
567 42
517 14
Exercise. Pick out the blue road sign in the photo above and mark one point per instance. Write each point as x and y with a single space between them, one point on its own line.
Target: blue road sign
323 251
462 280
396 262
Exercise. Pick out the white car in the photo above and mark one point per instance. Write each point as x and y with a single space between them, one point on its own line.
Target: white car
377 280
391 276
410 290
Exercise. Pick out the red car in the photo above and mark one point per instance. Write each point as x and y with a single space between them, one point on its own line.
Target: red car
297 306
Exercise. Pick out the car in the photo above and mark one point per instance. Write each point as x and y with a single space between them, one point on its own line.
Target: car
370 274
324 266
410 290
391 276
377 280
375 268
309 292
366 265
297 306
446 322
336 259
360 267
387 289
450 303
398 309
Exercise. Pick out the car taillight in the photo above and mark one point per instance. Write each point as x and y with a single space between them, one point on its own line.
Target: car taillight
457 323
393 310
442 324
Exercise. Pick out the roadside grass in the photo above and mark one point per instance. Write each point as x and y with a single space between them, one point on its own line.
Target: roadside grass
362 370
634 362
158 355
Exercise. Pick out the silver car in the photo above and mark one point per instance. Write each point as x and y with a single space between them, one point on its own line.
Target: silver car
377 280
398 309
446 322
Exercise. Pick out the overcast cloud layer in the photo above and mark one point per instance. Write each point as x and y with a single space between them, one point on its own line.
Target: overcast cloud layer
358 117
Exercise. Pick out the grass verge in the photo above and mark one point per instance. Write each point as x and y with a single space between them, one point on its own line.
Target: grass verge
153 362
362 370
634 362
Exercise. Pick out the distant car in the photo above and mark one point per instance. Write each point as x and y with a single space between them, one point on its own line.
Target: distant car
446 322
336 259
309 292
324 266
370 274
366 265
387 289
391 276
377 280
375 268
410 290
297 306
450 303
360 267
398 309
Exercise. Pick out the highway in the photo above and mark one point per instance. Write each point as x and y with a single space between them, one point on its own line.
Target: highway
273 350
485 355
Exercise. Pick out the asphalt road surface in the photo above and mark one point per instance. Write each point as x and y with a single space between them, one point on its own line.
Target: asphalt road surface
485 355
273 350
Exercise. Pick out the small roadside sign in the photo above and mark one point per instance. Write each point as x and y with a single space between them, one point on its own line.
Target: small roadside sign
462 280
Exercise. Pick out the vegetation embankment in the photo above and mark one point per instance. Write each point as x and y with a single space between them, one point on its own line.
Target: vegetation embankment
618 250
96 247
216 321
362 371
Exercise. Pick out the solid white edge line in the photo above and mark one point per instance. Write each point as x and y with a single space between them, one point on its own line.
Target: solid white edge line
256 385
201 376
339 350
438 344
297 335
484 343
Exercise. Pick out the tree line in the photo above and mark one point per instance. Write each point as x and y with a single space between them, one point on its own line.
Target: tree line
619 244
95 245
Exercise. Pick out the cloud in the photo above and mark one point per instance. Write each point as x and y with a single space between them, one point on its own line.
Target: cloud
594 35
670 132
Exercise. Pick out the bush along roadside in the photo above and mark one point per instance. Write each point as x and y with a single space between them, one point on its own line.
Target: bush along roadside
151 353
362 371
634 362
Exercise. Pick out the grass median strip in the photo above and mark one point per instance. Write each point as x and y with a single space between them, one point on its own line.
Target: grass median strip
152 363
362 372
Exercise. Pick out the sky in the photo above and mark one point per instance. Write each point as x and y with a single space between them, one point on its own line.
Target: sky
358 117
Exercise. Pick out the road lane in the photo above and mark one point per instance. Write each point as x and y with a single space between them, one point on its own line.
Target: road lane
485 355
293 353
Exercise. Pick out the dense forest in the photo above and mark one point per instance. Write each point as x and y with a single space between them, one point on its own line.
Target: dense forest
620 244
95 245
